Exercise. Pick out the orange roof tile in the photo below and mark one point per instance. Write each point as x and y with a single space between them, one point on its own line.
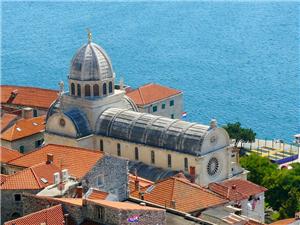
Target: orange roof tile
7 120
50 216
121 205
77 160
236 189
180 190
7 154
3 178
97 194
142 182
29 96
31 178
24 128
72 201
284 222
151 93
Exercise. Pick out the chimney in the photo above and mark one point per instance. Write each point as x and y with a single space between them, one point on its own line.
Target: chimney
213 123
50 158
193 173
66 219
27 113
297 215
12 96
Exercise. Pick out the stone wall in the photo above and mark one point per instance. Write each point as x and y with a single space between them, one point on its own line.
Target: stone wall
116 216
115 176
10 208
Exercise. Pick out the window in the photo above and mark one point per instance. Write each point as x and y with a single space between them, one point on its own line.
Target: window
22 148
186 164
17 197
104 89
110 87
101 145
38 143
100 180
171 102
163 106
35 113
96 89
78 90
169 161
152 157
99 212
172 116
154 108
87 90
119 149
136 153
72 89
62 122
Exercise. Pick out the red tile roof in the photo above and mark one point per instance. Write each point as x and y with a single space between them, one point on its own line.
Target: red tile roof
7 120
97 194
236 189
77 160
24 128
142 182
29 96
31 178
151 93
7 154
284 222
2 178
188 197
50 216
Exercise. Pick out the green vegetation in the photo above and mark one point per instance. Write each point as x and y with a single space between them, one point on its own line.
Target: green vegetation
283 186
239 134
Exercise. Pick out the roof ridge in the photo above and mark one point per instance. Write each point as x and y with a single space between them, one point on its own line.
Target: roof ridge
141 95
35 176
27 87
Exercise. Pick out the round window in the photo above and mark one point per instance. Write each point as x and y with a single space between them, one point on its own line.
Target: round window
213 166
62 122
213 139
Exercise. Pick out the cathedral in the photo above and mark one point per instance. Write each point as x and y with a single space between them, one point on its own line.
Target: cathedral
94 114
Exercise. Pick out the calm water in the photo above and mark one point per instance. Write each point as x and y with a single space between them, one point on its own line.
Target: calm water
235 61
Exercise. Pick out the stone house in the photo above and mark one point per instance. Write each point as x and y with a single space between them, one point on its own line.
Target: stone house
6 156
158 100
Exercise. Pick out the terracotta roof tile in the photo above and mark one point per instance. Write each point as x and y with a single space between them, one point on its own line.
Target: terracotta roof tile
31 178
3 178
97 194
24 128
7 120
236 189
142 182
7 154
77 160
180 190
29 96
284 222
50 216
151 93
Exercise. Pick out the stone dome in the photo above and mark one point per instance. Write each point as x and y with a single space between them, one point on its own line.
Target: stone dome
91 63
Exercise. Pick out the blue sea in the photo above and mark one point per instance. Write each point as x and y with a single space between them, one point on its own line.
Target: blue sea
234 60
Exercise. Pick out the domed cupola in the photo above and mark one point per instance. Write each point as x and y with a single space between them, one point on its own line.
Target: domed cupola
91 73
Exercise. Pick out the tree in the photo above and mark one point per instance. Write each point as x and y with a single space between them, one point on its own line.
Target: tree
239 134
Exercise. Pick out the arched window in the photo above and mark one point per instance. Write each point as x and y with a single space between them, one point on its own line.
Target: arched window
96 89
186 164
136 153
87 90
22 148
72 89
104 89
152 157
110 87
119 149
78 90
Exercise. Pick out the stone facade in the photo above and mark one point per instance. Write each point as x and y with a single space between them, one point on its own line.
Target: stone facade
29 143
12 202
110 174
164 107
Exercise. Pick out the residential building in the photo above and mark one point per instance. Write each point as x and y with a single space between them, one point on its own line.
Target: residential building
15 98
7 155
24 134
158 100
